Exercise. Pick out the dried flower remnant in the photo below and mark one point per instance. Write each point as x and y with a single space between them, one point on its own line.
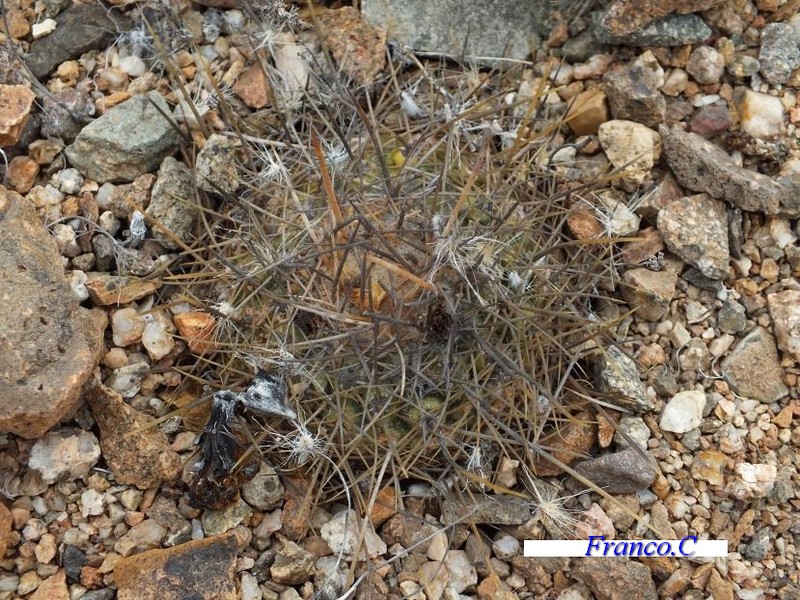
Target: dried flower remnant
223 467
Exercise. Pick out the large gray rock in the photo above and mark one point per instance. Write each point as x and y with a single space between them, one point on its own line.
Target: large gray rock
696 229
702 166
81 28
127 141
48 345
476 29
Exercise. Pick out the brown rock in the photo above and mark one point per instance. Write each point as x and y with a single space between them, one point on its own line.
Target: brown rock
660 566
606 428
616 578
569 443
718 587
201 570
709 465
493 588
582 221
22 172
137 454
53 588
649 292
742 525
197 328
45 351
645 248
18 25
627 16
106 290
752 368
357 47
784 418
296 509
677 583
293 565
253 87
91 577
106 103
385 506
710 121
588 112
15 106
651 355
44 152
6 521
665 192
659 520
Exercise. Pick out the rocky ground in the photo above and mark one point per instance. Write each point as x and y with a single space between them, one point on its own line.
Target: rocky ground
693 102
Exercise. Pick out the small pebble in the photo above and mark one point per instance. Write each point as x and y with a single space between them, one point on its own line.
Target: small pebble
46 27
705 65
133 66
70 181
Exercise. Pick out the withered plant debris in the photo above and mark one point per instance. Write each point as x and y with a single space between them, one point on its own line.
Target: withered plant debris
223 465
400 253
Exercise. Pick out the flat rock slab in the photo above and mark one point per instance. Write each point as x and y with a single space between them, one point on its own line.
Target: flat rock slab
127 141
702 166
753 370
201 570
696 229
480 29
46 339
625 472
107 290
80 29
136 454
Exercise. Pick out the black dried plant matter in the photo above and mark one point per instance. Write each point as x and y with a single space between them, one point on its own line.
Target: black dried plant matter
218 474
